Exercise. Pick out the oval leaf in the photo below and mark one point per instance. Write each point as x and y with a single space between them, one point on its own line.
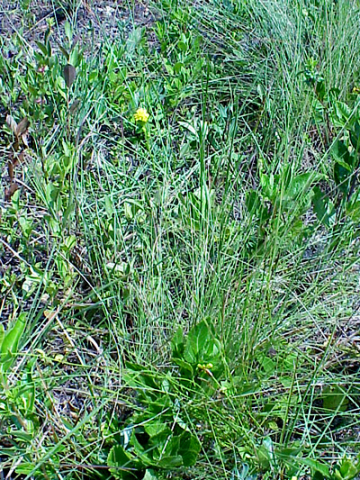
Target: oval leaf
11 123
10 342
22 127
69 74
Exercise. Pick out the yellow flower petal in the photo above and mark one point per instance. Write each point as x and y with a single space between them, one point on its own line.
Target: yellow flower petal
141 115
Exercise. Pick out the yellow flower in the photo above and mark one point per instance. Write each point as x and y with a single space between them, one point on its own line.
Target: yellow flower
205 367
141 115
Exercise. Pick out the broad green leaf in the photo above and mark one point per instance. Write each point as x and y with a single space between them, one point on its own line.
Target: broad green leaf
170 462
342 177
138 376
323 207
252 201
27 394
263 457
355 137
68 30
124 466
315 466
320 89
267 364
196 341
341 114
2 334
189 449
341 154
75 58
144 454
267 184
177 343
335 399
353 210
150 475
347 470
10 343
212 351
154 429
299 185
42 48
186 369
171 451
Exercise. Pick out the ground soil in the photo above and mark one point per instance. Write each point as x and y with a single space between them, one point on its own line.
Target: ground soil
93 21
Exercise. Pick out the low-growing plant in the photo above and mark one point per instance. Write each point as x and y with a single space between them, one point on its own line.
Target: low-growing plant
181 230
158 434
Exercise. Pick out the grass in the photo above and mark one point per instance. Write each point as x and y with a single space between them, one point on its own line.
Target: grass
179 297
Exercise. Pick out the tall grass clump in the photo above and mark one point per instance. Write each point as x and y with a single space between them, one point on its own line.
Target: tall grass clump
179 242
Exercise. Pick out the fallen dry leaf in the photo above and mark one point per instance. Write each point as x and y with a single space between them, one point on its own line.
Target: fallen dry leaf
11 123
22 127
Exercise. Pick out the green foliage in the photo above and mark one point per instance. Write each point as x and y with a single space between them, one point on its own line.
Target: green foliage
189 270
158 436
157 446
346 469
341 120
17 397
9 342
280 203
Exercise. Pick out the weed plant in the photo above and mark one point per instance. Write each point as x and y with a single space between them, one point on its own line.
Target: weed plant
179 239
